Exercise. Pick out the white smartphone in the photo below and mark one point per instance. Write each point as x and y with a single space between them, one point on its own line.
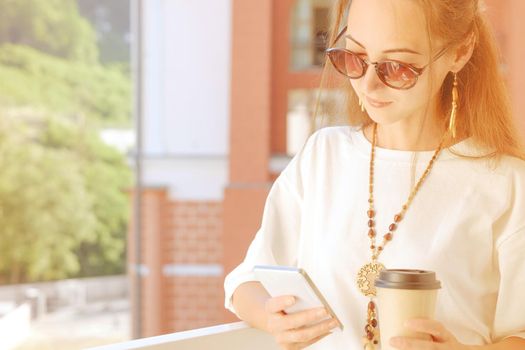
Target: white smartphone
285 280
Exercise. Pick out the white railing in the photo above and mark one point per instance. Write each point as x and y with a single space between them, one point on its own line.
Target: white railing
230 336
65 292
15 326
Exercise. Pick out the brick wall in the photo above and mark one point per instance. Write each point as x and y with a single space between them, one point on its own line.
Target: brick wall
194 245
194 302
182 255
194 232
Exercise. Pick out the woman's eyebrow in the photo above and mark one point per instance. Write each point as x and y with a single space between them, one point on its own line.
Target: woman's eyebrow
348 36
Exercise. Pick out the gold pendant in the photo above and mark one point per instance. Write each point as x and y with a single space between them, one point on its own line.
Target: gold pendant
369 346
367 276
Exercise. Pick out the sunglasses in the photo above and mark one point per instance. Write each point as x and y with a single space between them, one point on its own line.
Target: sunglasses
395 74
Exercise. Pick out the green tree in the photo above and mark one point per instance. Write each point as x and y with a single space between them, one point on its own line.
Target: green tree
33 78
106 176
63 206
51 26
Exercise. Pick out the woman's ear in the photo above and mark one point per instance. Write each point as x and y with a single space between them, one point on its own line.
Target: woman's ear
463 52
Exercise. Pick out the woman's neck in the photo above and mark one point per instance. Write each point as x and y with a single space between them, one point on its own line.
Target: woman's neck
406 136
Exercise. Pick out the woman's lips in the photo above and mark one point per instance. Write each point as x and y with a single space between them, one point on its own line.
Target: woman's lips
376 103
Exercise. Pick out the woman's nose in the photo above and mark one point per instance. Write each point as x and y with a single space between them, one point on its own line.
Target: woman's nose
370 81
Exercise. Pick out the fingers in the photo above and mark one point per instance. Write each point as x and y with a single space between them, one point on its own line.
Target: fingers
279 322
278 304
300 319
404 343
438 332
306 334
300 329
315 340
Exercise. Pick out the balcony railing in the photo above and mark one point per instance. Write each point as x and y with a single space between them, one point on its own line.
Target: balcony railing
230 336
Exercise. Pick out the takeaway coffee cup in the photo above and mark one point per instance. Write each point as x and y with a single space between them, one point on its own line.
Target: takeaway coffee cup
403 295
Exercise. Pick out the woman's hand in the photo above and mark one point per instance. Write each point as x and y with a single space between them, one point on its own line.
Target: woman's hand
294 331
441 338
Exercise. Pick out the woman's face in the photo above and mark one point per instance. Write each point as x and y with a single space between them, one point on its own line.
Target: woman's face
397 30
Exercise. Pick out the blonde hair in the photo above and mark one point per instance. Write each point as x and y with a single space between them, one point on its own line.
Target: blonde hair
484 112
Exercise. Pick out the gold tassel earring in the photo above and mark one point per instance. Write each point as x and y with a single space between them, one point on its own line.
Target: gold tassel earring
455 97
361 104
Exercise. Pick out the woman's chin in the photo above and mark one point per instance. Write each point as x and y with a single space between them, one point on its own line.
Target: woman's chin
383 117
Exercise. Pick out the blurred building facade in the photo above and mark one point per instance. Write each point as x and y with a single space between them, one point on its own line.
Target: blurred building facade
228 89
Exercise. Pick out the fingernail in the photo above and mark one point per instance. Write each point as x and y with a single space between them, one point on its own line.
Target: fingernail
290 301
321 312
333 324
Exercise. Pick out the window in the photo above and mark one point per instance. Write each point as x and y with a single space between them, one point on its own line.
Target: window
300 121
309 28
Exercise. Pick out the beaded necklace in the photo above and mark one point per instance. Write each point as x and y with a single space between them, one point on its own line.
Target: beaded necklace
370 271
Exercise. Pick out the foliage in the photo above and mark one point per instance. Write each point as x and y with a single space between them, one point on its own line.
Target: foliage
63 201
32 78
63 206
51 26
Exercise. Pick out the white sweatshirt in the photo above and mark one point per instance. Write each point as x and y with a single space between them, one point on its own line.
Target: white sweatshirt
466 223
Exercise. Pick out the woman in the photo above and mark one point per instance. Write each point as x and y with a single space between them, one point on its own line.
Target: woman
431 177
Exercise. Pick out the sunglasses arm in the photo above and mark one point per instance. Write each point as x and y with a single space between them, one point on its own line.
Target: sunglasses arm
339 36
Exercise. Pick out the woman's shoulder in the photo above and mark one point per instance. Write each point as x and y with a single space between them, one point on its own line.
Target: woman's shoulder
334 136
512 221
503 173
512 167
470 152
324 145
341 130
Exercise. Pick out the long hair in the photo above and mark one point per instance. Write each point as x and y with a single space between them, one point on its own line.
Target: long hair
484 112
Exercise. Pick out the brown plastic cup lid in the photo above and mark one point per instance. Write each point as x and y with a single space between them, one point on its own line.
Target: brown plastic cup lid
407 279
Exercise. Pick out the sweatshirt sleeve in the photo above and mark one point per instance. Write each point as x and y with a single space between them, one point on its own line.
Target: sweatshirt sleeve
509 320
276 241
